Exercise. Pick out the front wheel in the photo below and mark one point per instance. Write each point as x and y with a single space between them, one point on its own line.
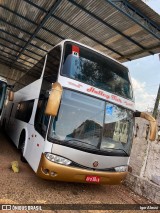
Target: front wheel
23 158
22 144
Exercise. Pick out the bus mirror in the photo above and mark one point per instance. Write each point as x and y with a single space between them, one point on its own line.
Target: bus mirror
54 99
152 121
11 95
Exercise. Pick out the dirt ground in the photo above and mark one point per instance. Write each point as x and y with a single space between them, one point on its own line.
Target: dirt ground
26 188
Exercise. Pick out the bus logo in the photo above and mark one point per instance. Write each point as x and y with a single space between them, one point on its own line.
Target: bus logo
95 164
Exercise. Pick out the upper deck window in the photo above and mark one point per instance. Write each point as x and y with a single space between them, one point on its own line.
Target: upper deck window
92 68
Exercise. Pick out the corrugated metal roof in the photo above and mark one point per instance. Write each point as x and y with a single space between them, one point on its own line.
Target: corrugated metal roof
149 12
31 28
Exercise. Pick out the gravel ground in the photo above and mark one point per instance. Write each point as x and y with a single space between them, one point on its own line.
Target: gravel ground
26 188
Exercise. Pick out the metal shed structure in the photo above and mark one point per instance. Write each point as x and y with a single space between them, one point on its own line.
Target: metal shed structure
123 29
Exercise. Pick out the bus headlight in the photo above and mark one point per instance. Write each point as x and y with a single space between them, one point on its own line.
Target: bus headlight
57 159
121 169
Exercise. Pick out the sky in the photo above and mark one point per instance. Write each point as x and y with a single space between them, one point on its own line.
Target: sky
145 74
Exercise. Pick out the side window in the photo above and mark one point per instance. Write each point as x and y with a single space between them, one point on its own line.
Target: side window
24 110
52 65
41 120
32 75
50 76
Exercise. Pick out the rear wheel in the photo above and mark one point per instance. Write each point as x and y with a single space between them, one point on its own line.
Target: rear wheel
3 124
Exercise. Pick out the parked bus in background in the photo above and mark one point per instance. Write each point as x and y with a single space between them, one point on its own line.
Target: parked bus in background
3 90
73 116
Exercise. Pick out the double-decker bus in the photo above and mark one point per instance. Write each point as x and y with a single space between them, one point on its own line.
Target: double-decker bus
3 90
73 116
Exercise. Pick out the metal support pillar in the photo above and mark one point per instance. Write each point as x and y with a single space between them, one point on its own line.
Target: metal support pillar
155 111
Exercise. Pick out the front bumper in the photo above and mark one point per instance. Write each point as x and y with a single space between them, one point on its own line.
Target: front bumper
73 174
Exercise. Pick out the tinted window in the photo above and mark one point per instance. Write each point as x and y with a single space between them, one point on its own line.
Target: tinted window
97 70
50 76
29 77
24 110
41 120
52 65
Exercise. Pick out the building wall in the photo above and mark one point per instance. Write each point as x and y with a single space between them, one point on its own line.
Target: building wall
145 163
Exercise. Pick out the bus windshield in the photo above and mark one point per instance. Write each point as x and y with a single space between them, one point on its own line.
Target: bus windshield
3 88
92 68
88 123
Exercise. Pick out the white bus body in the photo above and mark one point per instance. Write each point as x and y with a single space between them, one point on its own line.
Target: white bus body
90 139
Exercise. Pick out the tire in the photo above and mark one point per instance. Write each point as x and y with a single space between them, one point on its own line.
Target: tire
23 159
3 124
22 144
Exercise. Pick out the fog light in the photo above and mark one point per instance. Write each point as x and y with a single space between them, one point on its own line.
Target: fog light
53 173
45 171
121 168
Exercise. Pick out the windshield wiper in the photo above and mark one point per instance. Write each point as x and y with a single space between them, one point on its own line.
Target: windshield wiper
121 150
72 140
